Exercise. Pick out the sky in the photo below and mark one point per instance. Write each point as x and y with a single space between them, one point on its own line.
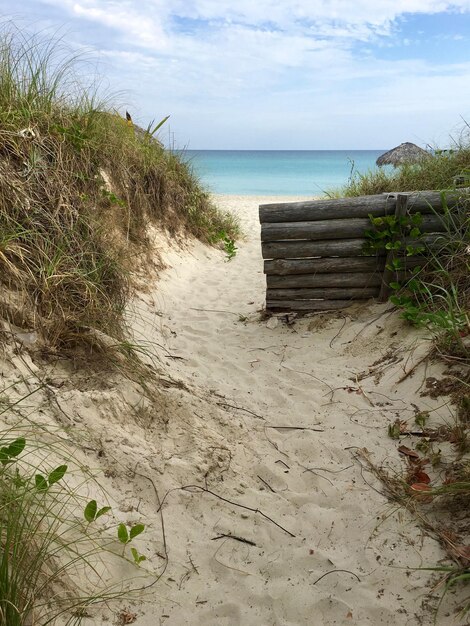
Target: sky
274 74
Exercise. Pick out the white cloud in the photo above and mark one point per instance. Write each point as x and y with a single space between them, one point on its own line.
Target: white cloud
230 69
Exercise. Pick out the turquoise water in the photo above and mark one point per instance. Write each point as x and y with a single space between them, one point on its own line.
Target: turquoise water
278 172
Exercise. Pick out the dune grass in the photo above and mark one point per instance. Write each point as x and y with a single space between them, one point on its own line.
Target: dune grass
438 298
61 550
439 295
438 171
79 187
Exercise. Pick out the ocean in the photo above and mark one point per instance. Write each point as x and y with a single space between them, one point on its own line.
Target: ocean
278 172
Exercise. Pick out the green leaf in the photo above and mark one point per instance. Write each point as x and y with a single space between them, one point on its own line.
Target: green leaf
57 474
123 535
90 511
16 447
395 286
4 456
136 530
41 482
135 554
414 285
138 558
102 511
397 264
415 232
159 125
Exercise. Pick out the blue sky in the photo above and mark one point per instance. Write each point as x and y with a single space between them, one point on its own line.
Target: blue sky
275 74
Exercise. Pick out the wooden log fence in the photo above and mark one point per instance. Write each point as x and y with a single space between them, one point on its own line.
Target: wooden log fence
314 252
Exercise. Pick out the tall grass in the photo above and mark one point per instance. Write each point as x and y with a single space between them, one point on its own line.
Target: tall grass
439 295
78 188
60 552
438 171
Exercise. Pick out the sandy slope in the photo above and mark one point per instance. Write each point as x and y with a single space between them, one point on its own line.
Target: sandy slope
268 416
267 380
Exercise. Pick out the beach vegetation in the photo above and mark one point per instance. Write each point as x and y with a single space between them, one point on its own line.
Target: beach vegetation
52 564
79 187
435 485
443 169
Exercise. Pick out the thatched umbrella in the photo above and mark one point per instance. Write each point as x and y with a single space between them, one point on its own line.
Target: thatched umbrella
404 153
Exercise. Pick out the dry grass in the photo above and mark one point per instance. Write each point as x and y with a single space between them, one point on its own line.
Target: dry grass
78 188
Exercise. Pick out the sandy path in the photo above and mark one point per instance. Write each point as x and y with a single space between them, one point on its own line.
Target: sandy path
281 379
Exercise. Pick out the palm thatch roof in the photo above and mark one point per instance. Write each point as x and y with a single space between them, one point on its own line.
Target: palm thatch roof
404 153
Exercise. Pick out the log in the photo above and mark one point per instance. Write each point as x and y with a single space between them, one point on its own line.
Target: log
431 201
326 209
307 305
313 281
340 248
426 202
335 229
328 293
314 231
324 265
284 267
308 249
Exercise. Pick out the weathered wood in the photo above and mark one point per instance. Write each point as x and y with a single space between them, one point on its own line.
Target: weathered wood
335 229
284 267
324 229
307 305
313 281
426 202
307 249
324 265
314 251
431 201
385 289
328 293
340 248
327 209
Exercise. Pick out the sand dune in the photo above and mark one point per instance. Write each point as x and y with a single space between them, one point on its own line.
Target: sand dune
268 416
290 414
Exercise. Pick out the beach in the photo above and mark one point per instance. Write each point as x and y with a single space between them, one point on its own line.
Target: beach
192 434
247 466
276 414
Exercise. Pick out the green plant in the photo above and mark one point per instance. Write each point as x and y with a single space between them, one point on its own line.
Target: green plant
228 243
126 536
150 132
43 541
66 241
229 247
91 511
439 171
394 430
389 232
421 419
434 294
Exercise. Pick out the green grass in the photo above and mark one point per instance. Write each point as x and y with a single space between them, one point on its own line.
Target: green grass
58 547
439 295
435 172
79 187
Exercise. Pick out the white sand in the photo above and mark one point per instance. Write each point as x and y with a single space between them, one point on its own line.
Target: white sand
236 431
